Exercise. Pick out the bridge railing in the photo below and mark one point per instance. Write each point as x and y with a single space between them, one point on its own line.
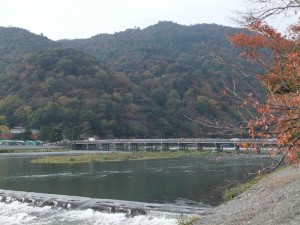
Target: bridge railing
180 140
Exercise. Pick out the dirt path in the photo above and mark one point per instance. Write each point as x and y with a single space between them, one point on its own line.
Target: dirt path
274 200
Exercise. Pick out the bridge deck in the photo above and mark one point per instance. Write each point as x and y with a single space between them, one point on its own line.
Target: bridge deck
181 143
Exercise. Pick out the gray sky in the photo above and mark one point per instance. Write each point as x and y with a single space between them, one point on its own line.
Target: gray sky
60 19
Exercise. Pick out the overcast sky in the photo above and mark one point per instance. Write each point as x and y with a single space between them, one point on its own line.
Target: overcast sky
70 19
59 19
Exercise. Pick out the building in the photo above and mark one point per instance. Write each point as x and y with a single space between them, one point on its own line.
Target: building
17 130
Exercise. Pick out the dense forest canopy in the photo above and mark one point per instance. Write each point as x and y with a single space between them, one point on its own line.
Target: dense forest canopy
136 83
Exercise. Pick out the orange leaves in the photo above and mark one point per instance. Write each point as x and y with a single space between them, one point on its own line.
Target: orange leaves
245 145
249 44
263 37
244 40
260 134
280 114
251 131
292 157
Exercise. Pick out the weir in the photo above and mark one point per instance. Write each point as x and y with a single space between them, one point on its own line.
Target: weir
102 205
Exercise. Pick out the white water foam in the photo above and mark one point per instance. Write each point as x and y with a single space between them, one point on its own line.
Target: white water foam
17 213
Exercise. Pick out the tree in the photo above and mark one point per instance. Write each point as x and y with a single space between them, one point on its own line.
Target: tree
68 133
173 101
27 135
278 56
4 132
55 135
261 10
21 114
44 133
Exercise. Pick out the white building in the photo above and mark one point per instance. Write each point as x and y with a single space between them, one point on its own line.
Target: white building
17 130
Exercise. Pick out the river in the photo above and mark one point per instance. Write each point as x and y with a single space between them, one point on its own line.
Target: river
195 182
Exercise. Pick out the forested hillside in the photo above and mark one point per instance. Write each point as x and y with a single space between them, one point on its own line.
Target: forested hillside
136 83
15 42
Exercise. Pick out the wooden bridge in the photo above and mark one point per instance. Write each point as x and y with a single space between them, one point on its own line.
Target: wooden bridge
169 144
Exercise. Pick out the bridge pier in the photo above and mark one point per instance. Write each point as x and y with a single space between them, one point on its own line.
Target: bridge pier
92 147
153 146
105 147
149 147
165 147
237 147
257 149
86 146
183 146
119 147
134 146
218 147
199 147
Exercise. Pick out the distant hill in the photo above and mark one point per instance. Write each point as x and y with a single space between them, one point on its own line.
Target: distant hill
136 83
15 42
158 45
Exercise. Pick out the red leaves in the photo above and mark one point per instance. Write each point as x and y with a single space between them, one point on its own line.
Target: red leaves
280 114
292 157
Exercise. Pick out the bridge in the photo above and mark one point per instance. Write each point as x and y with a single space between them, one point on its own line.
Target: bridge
169 144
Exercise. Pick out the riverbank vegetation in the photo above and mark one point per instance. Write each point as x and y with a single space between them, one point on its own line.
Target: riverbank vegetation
238 189
188 220
24 150
232 192
119 156
256 205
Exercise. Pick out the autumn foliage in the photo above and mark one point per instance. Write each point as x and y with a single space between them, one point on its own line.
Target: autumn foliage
278 58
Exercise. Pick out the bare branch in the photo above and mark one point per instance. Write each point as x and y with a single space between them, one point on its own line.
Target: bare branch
258 10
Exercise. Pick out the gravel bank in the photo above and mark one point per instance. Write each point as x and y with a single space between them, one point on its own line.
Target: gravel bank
274 200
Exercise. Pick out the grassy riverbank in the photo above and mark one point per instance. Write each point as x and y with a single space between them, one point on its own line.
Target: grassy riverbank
231 193
256 205
238 189
120 156
31 150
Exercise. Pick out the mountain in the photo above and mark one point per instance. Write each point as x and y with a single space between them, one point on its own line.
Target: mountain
136 83
164 46
15 42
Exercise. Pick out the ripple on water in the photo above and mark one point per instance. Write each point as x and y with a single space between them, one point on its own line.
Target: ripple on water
66 175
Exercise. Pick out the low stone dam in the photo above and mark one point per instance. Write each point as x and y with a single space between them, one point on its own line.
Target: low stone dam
130 208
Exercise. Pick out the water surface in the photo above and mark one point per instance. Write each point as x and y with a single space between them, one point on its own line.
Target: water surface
196 182
191 180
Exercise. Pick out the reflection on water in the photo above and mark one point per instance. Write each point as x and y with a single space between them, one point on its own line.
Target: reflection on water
188 180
